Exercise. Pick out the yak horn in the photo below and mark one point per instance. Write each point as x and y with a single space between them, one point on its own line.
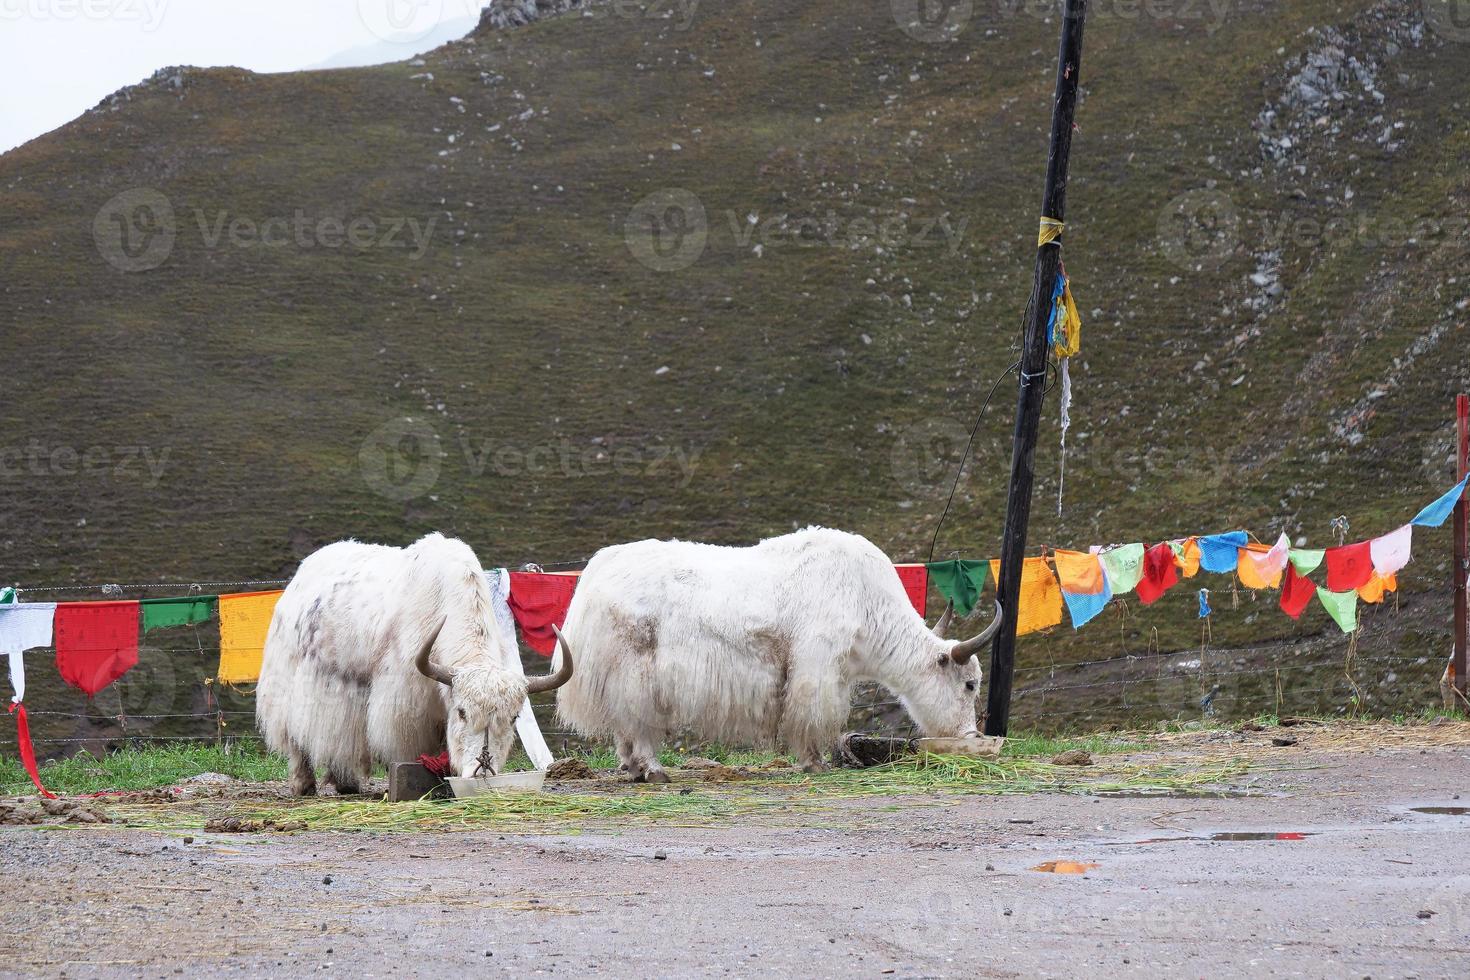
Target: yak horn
430 669
945 618
961 652
539 685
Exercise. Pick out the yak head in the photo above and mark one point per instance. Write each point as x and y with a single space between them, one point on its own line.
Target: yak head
483 699
944 695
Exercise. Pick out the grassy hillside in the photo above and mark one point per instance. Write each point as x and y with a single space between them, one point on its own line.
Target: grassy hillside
610 276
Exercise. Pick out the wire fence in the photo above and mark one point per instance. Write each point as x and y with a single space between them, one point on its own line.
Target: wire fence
1161 663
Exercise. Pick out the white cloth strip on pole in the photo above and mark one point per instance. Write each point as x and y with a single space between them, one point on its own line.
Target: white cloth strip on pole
526 727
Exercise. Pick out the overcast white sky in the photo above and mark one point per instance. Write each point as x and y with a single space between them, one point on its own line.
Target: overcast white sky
59 58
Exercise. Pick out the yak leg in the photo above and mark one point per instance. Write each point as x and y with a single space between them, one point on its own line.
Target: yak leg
644 765
346 784
303 778
625 754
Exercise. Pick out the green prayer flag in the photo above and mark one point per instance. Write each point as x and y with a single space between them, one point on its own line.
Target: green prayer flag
7 596
1306 561
960 581
163 613
1342 607
1123 566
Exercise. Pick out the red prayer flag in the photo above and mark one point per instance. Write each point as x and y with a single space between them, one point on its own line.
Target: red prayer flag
1159 573
27 752
539 600
1350 567
1296 593
96 642
915 579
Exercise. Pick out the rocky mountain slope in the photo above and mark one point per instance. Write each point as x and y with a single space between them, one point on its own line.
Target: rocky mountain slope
721 270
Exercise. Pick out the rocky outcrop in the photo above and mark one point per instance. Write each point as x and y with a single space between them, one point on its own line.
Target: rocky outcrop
502 14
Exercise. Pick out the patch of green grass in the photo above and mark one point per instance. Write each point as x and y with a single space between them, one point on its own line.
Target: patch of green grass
150 767
1035 744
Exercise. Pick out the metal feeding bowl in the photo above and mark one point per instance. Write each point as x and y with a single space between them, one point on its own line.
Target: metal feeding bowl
512 782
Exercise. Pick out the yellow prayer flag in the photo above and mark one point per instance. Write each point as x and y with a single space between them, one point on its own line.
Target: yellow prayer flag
1041 595
244 621
1377 586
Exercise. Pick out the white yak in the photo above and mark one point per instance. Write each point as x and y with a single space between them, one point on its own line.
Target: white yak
384 653
754 645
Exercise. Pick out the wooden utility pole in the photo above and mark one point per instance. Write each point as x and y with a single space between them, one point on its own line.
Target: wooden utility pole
1462 547
1033 370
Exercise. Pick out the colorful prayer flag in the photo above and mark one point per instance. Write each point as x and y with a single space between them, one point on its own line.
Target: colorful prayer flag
1187 556
538 600
1349 567
1377 587
24 626
244 623
1342 607
1159 574
1390 553
1306 561
1041 596
1438 512
1123 566
96 642
1220 553
1260 567
1296 593
1083 584
959 581
165 613
915 579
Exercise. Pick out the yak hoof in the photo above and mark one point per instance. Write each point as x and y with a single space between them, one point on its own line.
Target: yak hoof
302 788
816 766
658 776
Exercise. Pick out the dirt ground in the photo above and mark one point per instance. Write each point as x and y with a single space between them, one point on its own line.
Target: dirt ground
1360 885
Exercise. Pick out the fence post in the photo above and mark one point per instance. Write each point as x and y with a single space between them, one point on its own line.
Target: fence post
1461 565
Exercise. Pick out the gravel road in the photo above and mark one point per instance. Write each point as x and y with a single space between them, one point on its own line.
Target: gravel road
1360 885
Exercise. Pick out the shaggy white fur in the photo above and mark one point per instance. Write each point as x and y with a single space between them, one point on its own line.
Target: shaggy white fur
751 645
338 685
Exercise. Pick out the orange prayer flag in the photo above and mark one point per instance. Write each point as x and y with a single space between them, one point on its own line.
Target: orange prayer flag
1377 586
244 621
1186 557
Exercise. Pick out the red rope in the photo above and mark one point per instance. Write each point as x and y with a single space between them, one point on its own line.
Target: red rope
27 754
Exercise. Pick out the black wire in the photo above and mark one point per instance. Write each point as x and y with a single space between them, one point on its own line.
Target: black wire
960 470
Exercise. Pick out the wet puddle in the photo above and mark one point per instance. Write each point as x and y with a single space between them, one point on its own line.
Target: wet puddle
1239 835
1066 867
1442 811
